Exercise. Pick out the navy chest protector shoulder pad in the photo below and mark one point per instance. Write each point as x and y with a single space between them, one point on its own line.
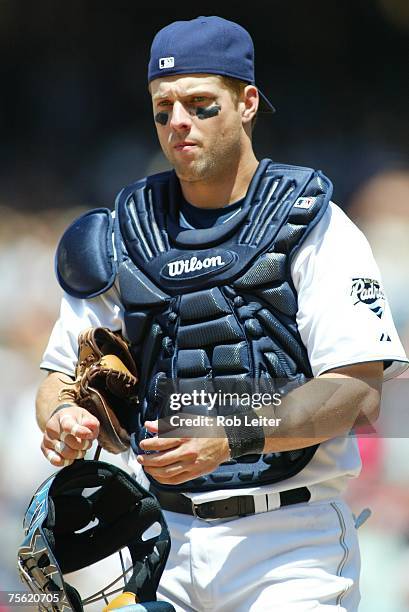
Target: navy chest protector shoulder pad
84 262
283 203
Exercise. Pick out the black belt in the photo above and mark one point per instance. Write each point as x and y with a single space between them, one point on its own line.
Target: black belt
241 505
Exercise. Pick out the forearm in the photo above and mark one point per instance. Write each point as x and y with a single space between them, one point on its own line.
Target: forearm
324 408
48 396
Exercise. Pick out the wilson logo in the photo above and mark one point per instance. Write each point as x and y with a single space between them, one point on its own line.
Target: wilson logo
187 266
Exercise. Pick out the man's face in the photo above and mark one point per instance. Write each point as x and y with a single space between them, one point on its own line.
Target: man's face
198 123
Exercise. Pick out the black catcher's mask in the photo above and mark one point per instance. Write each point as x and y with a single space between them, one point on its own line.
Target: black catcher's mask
57 541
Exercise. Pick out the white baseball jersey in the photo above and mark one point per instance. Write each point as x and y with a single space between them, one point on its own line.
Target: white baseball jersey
343 319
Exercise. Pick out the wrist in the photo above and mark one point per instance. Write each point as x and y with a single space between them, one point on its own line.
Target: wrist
61 407
244 438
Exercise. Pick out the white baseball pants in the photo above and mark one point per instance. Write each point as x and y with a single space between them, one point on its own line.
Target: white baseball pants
294 559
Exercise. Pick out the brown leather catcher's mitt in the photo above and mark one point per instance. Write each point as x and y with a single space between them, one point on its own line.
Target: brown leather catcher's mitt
105 384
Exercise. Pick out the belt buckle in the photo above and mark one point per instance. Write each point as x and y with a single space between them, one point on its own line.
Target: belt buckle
194 506
196 514
243 509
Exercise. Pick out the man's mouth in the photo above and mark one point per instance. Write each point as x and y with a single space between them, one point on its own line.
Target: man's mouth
186 145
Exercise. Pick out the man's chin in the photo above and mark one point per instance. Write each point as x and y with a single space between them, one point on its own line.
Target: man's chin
188 171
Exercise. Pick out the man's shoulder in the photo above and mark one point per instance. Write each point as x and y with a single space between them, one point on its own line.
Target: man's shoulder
335 238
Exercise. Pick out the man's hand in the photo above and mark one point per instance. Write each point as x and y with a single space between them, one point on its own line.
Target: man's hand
68 435
180 459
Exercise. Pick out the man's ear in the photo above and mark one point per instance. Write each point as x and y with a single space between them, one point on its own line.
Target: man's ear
249 103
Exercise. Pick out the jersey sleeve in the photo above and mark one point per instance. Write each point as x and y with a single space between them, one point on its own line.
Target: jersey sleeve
343 314
76 315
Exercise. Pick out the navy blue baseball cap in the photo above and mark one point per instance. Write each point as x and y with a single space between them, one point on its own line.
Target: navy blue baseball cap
205 45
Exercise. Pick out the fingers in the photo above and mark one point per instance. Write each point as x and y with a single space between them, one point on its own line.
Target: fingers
68 435
152 426
168 467
70 424
75 421
69 448
71 453
175 480
192 458
167 458
172 474
160 444
75 443
60 454
54 458
169 471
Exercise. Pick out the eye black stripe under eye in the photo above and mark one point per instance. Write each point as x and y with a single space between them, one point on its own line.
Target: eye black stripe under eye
208 111
162 118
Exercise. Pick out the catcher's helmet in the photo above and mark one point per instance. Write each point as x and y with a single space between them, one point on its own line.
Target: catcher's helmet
61 536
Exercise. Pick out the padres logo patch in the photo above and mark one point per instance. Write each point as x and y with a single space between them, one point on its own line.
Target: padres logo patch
369 292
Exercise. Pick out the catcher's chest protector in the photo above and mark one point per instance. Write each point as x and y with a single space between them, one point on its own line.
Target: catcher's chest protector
216 308
211 309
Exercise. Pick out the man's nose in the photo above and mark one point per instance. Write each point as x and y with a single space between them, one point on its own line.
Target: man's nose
180 118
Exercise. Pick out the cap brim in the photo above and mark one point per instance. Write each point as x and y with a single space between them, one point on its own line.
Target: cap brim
265 105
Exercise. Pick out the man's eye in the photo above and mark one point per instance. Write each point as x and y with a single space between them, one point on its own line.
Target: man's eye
200 99
164 103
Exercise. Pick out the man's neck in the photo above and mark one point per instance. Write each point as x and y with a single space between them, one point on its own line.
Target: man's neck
224 190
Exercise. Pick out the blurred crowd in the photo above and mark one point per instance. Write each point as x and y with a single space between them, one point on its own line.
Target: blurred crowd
29 304
380 207
77 126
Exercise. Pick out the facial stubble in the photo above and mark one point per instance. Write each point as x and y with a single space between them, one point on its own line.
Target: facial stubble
211 162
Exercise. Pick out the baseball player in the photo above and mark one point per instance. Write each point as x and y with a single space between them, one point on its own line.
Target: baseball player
231 273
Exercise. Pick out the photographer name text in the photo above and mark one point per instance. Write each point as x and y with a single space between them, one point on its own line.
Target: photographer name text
179 420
